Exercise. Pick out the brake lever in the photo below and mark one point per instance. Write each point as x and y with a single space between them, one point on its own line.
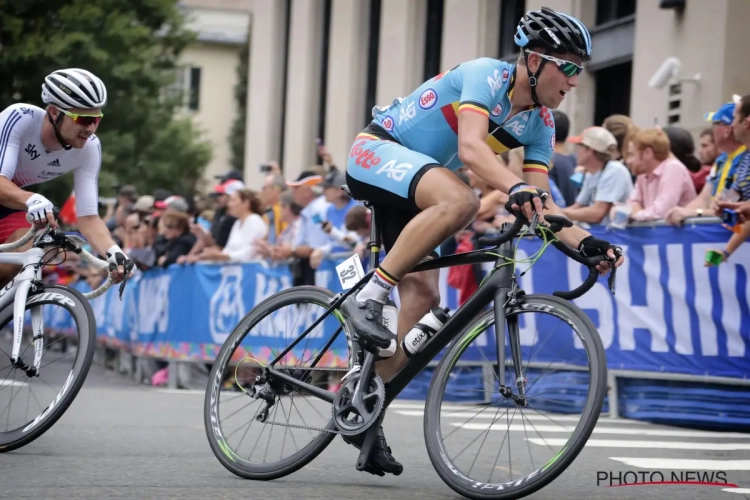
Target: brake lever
613 272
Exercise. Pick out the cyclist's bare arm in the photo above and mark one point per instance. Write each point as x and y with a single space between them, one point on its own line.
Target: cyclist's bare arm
476 154
12 196
94 229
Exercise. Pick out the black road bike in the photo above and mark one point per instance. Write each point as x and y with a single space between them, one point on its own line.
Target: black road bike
544 396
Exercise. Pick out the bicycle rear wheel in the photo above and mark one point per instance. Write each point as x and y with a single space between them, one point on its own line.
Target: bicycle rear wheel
75 341
294 418
558 386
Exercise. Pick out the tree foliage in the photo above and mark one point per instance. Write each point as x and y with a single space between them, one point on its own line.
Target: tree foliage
133 46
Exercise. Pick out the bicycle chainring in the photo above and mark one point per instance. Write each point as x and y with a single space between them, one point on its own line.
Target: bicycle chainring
355 409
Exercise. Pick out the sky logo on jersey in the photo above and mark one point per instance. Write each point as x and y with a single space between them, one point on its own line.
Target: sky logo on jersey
428 99
387 123
497 110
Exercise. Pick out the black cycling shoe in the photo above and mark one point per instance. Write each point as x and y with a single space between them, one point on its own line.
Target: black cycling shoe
381 460
367 321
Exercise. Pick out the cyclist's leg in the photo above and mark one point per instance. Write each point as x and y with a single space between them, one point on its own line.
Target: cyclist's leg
434 203
13 226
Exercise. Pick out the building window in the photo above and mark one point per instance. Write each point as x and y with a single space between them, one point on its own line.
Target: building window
511 11
186 88
608 11
433 38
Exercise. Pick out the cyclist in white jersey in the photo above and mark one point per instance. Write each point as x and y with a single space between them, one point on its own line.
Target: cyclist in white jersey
37 145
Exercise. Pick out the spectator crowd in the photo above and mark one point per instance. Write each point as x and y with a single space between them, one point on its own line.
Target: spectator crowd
611 174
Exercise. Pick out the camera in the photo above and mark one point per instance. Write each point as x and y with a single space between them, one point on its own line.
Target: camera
266 168
729 217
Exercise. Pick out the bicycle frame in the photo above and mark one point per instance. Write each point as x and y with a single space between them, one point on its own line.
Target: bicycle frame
495 287
17 291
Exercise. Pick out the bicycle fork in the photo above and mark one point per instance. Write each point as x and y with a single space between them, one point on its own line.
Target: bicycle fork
37 326
503 296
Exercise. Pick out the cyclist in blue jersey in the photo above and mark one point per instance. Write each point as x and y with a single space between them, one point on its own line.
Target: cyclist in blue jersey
404 160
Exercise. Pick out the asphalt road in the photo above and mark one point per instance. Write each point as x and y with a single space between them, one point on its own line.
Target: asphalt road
121 440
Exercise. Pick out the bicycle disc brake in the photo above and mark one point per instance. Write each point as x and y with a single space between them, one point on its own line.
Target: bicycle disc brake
355 409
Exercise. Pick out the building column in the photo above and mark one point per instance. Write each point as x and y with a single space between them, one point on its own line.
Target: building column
303 86
347 76
264 96
470 30
401 49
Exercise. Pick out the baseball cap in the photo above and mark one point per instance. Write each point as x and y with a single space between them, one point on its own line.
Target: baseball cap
145 203
597 138
229 187
306 178
725 114
173 202
335 178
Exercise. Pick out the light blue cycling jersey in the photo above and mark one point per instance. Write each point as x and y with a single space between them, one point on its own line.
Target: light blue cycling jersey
427 120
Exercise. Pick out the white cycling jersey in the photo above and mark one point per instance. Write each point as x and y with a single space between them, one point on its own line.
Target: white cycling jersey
25 161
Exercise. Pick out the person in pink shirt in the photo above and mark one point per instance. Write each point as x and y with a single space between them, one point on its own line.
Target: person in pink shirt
662 181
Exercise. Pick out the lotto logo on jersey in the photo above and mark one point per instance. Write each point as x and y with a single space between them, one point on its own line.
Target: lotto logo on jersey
428 99
364 158
497 110
547 117
395 172
387 123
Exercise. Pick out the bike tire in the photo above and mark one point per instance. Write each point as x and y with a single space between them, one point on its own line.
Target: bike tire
235 464
520 487
74 302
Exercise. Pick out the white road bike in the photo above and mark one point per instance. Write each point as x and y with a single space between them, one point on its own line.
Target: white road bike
25 364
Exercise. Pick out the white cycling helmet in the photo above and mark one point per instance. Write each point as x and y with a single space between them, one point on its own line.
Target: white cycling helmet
74 88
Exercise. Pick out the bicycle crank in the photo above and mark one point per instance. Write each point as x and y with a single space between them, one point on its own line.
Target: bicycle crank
355 408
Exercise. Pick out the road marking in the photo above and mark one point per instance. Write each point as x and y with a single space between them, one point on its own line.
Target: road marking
742 491
684 464
492 413
606 430
665 445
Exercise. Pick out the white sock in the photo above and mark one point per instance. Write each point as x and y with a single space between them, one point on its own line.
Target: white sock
378 288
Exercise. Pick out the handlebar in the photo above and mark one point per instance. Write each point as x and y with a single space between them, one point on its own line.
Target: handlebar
555 224
69 242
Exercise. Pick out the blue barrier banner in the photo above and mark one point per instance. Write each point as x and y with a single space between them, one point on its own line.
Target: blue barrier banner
669 314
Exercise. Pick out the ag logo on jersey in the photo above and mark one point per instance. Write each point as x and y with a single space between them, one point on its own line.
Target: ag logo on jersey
428 99
388 123
517 127
497 110
395 172
494 82
407 112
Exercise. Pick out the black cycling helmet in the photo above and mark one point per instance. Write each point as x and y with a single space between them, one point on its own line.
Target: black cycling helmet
555 32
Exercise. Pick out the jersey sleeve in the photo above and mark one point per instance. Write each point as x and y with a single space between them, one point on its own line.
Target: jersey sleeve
86 181
14 121
538 152
483 81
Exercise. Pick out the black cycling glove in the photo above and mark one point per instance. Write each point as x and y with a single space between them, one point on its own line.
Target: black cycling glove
522 193
591 247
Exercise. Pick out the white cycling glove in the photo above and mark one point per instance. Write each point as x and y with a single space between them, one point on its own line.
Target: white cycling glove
38 207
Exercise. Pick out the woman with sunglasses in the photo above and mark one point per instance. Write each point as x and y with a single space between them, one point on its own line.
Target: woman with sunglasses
38 145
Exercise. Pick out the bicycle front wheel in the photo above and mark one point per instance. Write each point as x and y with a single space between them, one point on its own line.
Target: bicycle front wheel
545 409
29 406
